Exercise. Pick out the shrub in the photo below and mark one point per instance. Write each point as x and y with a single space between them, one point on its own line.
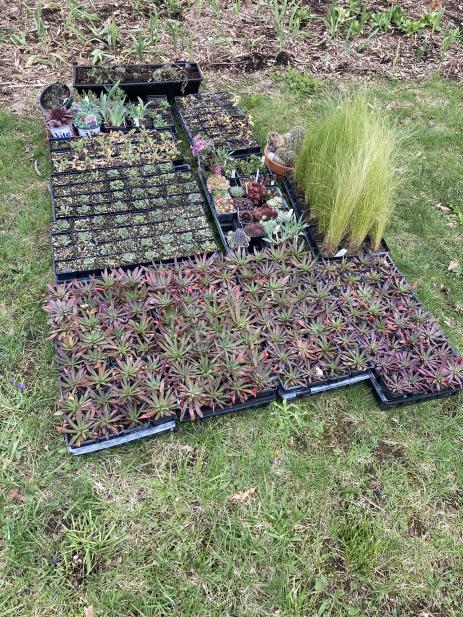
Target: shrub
346 169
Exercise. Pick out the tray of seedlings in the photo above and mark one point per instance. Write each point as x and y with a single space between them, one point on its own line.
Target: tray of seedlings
99 180
211 335
140 80
130 192
332 323
159 344
115 149
142 231
214 118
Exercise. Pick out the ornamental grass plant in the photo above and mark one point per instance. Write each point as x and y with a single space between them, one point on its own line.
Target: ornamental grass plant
347 169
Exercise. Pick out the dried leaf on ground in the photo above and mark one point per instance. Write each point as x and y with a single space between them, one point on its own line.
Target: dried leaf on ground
244 496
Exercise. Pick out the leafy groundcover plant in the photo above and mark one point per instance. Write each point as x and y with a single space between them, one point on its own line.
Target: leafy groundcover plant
221 123
208 332
347 169
138 346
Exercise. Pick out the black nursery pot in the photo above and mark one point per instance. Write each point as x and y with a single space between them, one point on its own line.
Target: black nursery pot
134 88
48 93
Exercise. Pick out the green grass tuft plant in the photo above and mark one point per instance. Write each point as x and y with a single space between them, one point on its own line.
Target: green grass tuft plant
347 170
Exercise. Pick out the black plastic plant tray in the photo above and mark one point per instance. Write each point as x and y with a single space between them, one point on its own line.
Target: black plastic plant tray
296 206
86 274
264 398
220 219
63 145
388 400
175 162
136 89
213 212
83 176
244 151
129 201
298 392
158 427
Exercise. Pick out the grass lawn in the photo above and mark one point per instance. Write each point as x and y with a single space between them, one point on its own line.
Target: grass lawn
325 507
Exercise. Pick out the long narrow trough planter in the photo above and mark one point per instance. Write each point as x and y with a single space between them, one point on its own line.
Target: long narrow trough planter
140 80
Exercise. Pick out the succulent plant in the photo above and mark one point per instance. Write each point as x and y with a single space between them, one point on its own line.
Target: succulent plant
254 230
256 192
217 183
224 205
237 191
58 116
264 213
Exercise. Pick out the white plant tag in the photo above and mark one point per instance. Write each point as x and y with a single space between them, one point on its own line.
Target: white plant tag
233 174
257 176
341 253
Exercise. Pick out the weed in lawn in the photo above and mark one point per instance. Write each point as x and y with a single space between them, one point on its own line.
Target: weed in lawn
302 84
84 546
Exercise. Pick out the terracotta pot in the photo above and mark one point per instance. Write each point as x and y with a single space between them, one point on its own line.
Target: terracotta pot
276 168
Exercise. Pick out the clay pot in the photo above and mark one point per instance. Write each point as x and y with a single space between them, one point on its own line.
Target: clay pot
279 170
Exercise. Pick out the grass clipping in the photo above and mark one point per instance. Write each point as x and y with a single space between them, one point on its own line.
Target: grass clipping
347 170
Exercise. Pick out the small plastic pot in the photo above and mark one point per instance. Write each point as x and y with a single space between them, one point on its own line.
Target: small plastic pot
66 94
61 132
87 132
279 170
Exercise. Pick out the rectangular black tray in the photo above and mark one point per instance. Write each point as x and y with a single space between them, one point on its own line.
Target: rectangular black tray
157 427
142 89
264 398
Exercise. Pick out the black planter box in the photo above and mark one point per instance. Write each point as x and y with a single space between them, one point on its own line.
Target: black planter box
157 427
264 398
136 89
388 400
288 394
